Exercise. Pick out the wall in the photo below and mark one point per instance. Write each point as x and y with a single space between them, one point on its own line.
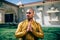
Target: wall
46 15
43 17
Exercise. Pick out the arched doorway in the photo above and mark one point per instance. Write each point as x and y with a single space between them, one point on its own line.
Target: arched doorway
8 17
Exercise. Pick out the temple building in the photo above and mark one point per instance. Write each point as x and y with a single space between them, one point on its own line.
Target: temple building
8 12
46 12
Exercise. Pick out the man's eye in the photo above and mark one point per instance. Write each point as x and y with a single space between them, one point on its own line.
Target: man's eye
28 12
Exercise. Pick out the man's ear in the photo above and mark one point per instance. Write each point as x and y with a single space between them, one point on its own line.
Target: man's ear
34 14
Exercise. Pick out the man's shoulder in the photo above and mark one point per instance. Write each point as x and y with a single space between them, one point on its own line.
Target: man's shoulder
37 23
22 22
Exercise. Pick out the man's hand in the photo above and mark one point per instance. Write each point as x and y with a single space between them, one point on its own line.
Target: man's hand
29 28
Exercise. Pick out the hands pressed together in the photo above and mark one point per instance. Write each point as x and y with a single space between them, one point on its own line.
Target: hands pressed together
29 28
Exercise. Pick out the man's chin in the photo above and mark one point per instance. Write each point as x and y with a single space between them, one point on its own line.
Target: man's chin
29 18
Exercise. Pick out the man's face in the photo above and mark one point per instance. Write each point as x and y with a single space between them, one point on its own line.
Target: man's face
30 14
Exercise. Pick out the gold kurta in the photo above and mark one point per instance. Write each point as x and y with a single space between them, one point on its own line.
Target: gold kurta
22 27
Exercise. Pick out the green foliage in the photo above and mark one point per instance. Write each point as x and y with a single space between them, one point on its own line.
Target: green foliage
50 33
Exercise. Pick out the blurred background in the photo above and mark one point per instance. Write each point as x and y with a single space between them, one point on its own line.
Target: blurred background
47 13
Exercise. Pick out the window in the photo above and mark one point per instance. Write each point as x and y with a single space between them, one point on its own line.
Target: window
53 17
40 8
0 4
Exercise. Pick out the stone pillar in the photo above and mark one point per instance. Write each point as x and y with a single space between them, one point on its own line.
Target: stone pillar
2 16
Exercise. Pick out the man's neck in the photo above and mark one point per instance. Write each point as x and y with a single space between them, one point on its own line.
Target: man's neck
29 20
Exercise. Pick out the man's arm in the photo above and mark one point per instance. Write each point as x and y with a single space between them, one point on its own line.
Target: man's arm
19 33
40 33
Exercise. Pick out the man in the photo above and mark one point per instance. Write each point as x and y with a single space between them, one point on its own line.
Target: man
29 29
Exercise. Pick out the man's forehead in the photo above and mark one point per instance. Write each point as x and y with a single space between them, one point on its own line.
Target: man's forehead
28 10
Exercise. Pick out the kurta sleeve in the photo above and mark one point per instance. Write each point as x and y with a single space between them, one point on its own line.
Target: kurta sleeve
38 33
19 33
